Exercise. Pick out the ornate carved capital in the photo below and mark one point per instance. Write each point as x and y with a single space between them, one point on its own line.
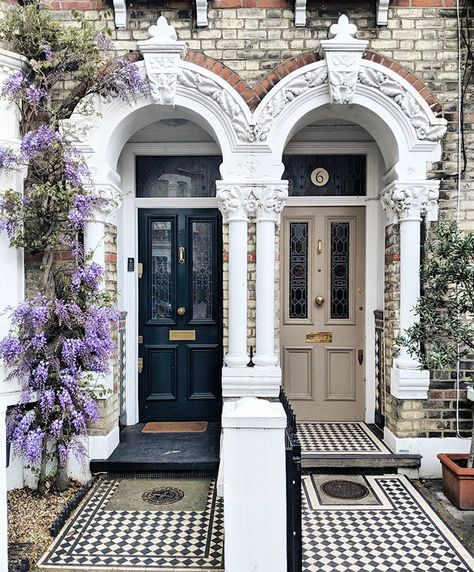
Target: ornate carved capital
411 200
232 199
269 200
162 53
343 55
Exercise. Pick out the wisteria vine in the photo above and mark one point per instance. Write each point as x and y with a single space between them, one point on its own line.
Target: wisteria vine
62 334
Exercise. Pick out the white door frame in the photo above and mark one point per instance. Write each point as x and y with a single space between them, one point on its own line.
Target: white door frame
374 240
127 240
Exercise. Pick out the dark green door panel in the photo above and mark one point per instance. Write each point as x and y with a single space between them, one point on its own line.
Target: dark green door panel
181 253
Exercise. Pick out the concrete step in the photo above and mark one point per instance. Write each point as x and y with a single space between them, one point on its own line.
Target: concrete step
379 461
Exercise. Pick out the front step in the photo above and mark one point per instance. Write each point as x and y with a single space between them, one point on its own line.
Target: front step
142 452
388 462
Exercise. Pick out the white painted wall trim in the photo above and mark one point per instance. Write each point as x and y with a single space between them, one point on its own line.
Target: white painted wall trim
102 446
428 448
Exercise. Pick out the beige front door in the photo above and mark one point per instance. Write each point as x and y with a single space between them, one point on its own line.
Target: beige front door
322 326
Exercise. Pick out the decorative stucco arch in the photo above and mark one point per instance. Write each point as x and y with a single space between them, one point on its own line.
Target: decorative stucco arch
373 95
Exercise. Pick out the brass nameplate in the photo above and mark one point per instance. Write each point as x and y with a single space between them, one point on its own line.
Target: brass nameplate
177 335
319 337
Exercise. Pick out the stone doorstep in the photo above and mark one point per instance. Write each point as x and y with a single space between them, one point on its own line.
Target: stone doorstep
362 461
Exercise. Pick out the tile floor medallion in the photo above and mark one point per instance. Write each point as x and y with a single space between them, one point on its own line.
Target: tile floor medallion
338 438
98 538
391 530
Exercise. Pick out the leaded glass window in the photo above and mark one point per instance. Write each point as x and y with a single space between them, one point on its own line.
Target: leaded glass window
160 270
298 290
177 176
347 175
202 270
339 270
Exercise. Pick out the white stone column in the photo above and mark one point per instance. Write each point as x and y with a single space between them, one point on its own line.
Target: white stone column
254 486
232 200
409 202
270 200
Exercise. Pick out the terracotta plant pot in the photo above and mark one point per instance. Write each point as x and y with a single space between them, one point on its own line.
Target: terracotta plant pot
458 483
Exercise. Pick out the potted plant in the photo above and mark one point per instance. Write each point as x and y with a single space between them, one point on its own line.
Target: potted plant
445 334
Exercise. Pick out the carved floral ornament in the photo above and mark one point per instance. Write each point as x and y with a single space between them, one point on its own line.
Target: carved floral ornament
342 72
252 201
411 201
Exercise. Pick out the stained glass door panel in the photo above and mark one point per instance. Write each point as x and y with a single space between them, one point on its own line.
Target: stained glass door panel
180 315
322 330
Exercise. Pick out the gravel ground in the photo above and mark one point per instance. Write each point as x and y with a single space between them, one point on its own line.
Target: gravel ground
29 519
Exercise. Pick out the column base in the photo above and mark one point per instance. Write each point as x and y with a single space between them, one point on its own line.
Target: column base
410 383
251 381
236 360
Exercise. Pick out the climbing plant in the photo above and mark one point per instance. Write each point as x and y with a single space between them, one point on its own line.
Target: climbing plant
62 334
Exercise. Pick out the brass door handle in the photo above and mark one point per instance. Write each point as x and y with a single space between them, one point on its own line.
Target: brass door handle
319 300
181 311
181 254
140 365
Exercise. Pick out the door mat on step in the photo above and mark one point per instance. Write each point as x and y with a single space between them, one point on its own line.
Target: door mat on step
175 427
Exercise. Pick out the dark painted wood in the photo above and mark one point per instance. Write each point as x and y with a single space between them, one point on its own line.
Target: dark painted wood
181 380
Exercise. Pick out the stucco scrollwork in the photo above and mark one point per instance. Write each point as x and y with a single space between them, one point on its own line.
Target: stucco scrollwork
296 88
405 201
408 104
208 87
251 201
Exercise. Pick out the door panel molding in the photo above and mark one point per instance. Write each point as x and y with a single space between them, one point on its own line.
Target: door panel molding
337 372
301 373
194 392
156 372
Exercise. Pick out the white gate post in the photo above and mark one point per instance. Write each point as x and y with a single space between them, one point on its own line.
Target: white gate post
254 486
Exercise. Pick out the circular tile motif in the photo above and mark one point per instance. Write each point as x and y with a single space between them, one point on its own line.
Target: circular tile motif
343 489
163 495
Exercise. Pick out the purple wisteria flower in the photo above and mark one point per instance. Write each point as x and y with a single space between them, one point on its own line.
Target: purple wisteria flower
36 141
13 85
128 80
104 42
10 349
81 211
48 52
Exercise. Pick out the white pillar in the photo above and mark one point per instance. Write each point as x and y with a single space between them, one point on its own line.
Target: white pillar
265 295
409 202
254 486
237 323
3 491
232 198
270 200
94 240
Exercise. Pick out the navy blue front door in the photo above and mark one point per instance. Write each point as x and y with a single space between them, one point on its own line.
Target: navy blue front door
180 314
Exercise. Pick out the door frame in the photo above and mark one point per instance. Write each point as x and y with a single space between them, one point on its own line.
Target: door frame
374 239
127 243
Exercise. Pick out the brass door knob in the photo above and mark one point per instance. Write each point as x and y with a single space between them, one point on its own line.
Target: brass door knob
181 311
319 300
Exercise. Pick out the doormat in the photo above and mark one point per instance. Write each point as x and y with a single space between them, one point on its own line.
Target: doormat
175 427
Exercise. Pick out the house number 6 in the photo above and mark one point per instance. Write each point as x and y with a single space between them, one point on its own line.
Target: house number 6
319 177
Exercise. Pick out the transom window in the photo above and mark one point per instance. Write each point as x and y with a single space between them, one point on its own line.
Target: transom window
325 175
189 176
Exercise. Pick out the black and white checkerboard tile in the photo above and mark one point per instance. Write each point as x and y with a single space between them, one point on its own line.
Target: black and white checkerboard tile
99 539
319 438
408 537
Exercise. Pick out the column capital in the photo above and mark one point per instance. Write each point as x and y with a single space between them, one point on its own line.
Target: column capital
269 200
411 200
244 201
233 199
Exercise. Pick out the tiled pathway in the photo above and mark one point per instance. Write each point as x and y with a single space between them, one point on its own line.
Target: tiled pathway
397 533
103 539
390 530
343 438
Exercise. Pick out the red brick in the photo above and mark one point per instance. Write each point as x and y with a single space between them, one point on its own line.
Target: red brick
400 3
234 79
427 3
391 258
